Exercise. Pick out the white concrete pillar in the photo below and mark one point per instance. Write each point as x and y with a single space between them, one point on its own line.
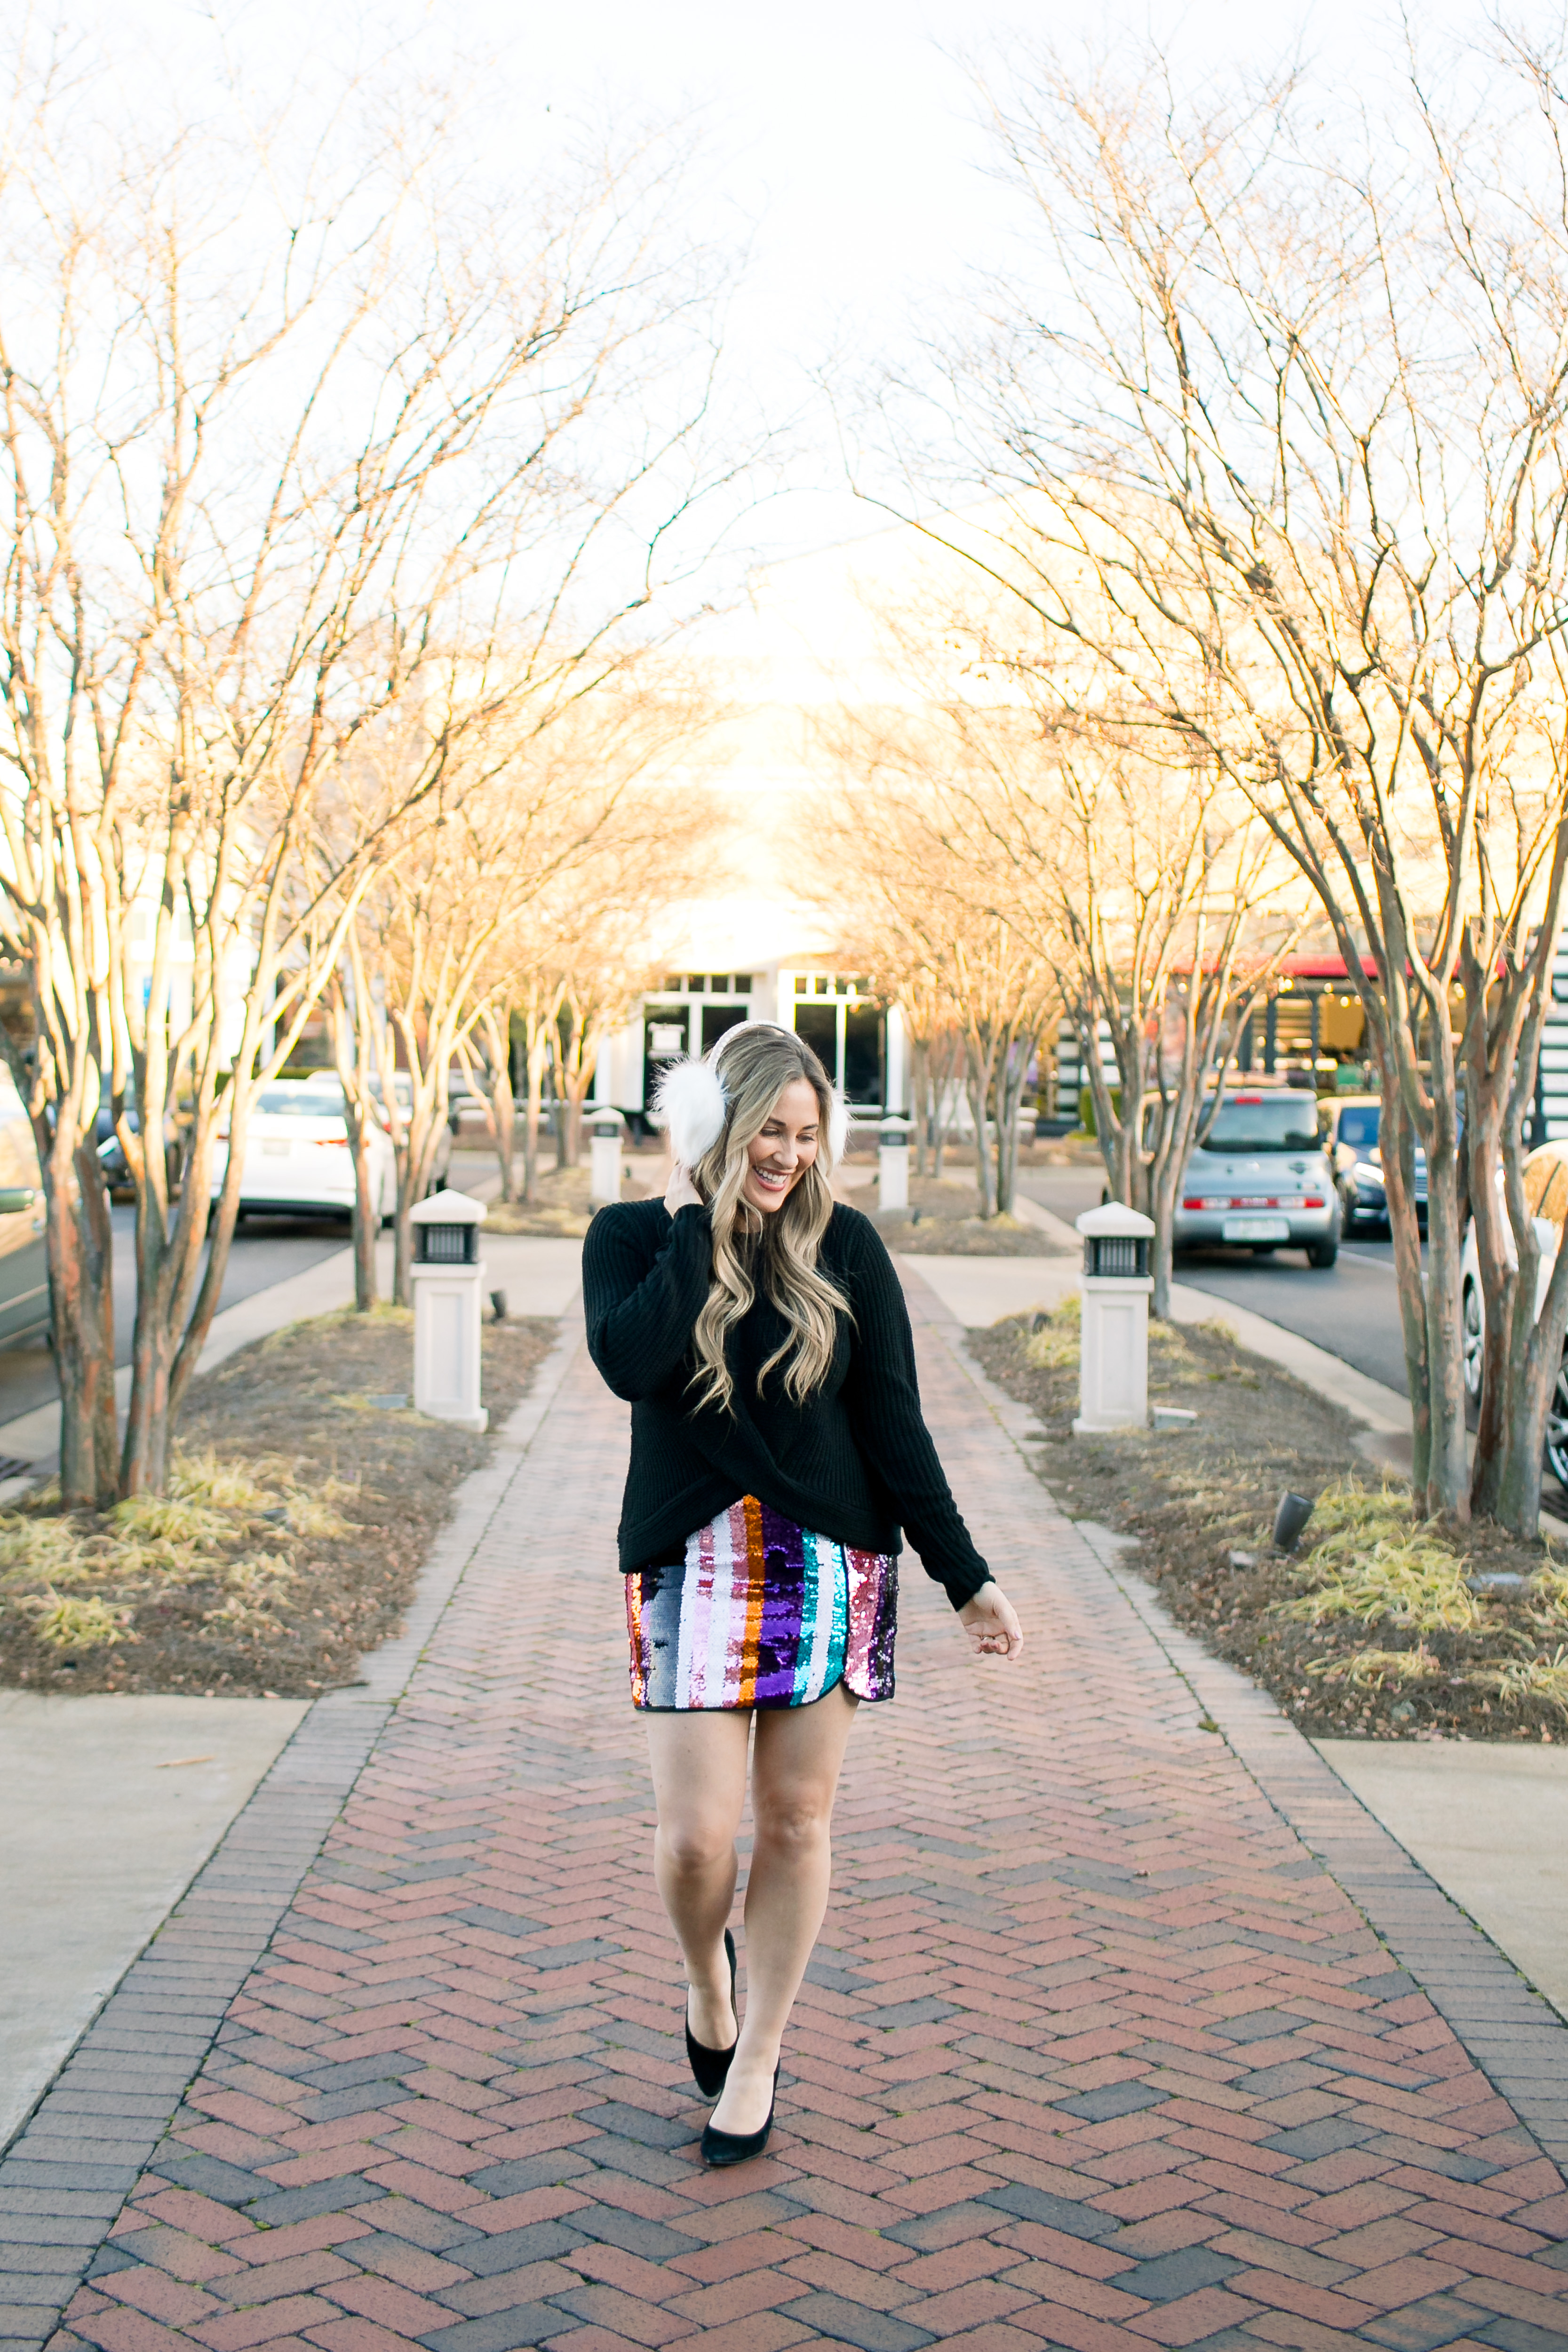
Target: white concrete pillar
449 1278
1113 1369
605 1147
895 1078
893 1164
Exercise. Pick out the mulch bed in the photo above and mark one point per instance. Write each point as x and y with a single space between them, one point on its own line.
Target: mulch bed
1195 1496
304 1502
940 1222
561 1209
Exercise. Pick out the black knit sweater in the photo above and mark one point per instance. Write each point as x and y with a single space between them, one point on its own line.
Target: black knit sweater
851 1463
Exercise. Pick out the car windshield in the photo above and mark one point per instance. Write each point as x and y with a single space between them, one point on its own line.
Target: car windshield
1358 1126
1283 1122
289 1102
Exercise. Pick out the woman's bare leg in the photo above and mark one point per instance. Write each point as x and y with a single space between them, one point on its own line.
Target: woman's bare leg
699 1787
794 1775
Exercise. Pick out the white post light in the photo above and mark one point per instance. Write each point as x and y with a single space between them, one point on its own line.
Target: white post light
893 1164
448 1277
1113 1371
604 1154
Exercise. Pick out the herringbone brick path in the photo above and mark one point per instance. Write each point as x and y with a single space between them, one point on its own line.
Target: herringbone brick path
1094 2053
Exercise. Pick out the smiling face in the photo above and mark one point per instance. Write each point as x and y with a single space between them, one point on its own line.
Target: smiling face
787 1147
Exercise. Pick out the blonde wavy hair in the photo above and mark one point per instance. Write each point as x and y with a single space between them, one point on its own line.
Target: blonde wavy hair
774 1252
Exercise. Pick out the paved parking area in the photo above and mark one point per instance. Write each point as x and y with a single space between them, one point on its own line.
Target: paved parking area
1096 2053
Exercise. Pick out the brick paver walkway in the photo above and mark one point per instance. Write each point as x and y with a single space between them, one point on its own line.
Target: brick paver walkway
1094 2053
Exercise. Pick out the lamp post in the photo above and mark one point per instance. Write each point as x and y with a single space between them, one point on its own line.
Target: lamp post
893 1162
448 1277
1113 1365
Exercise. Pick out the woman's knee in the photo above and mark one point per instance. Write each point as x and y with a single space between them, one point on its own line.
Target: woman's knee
694 1844
796 1821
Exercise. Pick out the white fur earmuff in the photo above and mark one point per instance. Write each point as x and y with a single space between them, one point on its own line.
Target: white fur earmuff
689 1103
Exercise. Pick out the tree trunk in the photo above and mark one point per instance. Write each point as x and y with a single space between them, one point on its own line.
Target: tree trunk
920 1098
1165 1178
78 1250
367 1214
503 1116
1009 1095
979 1089
538 1049
1398 1156
1505 1343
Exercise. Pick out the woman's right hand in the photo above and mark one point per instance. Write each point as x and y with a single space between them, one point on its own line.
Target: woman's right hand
991 1622
680 1193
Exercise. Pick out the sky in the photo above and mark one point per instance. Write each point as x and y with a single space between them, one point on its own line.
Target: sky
842 145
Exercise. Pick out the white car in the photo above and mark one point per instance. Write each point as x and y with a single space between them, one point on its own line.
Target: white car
1546 1198
297 1157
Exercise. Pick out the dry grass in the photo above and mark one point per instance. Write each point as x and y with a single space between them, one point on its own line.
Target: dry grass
1385 1629
1520 1682
1372 1563
1377 1669
286 1543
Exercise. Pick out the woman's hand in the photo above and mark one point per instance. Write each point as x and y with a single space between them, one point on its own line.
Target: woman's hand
680 1193
992 1623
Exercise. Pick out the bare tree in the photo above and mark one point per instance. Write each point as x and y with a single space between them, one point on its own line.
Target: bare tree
1288 458
297 428
924 886
1146 883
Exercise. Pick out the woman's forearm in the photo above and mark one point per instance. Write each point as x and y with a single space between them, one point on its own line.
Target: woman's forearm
640 1322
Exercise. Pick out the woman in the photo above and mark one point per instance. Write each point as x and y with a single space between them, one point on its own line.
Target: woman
759 1333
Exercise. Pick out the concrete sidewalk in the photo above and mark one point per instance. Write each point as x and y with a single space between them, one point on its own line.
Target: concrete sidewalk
1097 2050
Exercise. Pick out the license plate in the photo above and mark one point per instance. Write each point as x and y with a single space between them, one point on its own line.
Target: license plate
1256 1229
274 1150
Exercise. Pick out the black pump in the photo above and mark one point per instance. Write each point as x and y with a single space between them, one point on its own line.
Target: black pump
720 2148
710 2068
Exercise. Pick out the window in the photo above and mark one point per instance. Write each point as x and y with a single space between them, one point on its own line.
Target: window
1359 1125
1283 1122
863 1053
819 1024
717 1019
303 1102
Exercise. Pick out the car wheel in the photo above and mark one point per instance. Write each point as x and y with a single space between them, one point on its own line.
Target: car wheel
1472 1340
1556 1448
1322 1254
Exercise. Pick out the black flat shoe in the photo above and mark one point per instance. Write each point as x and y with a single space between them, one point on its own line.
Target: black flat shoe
720 2147
710 2068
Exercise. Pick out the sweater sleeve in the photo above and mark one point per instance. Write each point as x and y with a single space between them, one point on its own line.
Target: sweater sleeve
884 1402
640 1317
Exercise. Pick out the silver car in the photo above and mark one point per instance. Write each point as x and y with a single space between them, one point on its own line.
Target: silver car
1260 1179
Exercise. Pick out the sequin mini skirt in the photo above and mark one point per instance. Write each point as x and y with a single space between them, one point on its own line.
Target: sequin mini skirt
761 1613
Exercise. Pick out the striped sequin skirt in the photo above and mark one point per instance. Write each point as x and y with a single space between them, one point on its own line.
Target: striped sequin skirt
760 1612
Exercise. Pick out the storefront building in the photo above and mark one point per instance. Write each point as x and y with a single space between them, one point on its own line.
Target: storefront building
859 1039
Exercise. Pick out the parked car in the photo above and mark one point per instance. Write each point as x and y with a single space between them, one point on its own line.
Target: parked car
24 1269
1546 1198
403 1085
297 1158
1351 1129
116 1173
1261 1180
